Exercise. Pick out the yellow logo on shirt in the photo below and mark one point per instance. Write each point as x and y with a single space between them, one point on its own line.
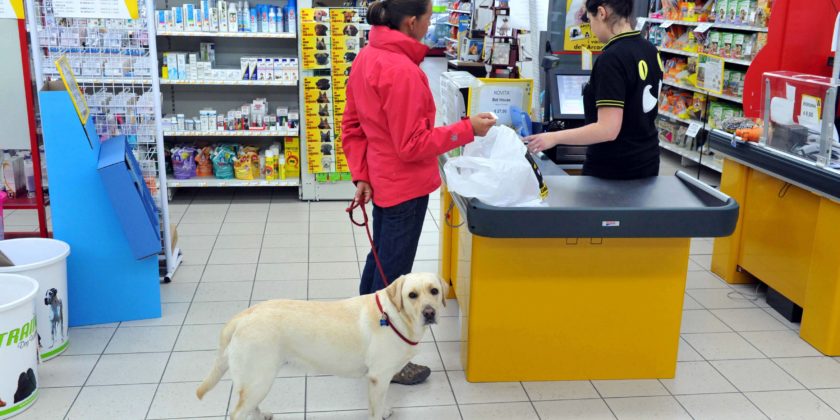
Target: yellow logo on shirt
643 69
659 58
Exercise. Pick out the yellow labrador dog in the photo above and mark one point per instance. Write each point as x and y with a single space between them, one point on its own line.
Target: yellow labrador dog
370 336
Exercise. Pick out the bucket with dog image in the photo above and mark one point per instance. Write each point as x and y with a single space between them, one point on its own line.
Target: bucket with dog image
44 260
18 344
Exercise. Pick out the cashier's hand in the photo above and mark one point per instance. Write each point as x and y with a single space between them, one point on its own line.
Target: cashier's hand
540 142
363 192
481 123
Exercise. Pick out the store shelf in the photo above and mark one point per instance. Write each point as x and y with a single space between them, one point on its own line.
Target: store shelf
450 55
729 98
682 86
713 25
451 39
451 25
465 12
250 35
227 82
693 54
692 155
240 133
24 203
201 182
682 120
112 81
465 63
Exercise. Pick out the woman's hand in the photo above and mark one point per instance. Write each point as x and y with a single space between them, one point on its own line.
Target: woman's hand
540 142
481 123
363 192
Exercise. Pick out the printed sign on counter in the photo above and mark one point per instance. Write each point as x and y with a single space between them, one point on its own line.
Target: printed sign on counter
498 95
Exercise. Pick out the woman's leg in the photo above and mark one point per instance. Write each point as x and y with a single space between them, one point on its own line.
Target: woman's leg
366 285
398 238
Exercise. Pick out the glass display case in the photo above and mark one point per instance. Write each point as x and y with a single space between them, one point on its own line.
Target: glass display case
799 117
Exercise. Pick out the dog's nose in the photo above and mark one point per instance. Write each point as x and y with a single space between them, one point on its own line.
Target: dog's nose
429 313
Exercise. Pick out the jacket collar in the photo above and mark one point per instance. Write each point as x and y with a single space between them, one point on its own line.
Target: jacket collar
388 39
620 37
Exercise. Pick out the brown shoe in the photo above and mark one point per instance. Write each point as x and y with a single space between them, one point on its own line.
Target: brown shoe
411 374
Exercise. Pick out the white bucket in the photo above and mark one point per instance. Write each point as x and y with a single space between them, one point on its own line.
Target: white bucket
18 344
44 260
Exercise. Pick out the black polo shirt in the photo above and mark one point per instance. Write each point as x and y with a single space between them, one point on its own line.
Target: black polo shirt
628 75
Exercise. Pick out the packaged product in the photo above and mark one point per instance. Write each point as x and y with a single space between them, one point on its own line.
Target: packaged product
697 111
223 158
737 46
742 18
683 104
762 13
720 11
713 41
715 114
726 39
732 11
204 166
687 11
749 46
760 42
183 163
738 83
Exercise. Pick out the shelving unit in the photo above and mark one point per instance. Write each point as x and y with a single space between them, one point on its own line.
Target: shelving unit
238 133
227 83
203 182
188 97
733 101
248 35
120 104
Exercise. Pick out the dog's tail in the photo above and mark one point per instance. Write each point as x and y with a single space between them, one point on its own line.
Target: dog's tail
221 364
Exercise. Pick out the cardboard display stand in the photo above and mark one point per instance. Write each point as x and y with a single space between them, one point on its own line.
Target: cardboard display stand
106 282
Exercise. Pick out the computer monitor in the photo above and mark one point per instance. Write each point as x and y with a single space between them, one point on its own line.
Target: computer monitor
566 91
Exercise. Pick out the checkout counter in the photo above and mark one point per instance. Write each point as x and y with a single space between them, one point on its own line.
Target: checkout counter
788 185
590 286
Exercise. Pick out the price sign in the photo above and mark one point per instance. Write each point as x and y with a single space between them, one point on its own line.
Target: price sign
703 27
693 129
640 23
667 24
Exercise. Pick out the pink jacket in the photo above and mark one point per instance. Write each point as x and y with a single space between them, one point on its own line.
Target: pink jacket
388 130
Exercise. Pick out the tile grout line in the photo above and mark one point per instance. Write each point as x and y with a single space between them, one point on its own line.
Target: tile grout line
448 380
602 398
184 322
707 361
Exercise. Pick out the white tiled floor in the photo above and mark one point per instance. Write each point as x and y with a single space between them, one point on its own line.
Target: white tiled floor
737 359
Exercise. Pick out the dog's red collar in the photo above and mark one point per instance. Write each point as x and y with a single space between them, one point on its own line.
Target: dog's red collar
390 324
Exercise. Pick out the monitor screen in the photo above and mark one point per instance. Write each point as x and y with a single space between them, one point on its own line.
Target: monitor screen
570 94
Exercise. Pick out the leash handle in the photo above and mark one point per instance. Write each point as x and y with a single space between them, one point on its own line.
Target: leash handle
364 223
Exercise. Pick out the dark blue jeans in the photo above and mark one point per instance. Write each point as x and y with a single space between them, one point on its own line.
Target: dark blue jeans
396 233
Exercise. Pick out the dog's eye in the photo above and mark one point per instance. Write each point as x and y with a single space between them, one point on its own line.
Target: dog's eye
434 291
412 295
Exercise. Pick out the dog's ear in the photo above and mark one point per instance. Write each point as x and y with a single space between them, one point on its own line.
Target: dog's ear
395 292
444 289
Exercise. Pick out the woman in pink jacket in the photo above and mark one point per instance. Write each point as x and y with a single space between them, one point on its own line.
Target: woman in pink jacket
391 143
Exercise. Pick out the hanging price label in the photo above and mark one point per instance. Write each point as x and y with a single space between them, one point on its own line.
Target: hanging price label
640 23
693 129
667 24
703 27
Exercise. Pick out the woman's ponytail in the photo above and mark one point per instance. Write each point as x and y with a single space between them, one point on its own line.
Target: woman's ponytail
391 13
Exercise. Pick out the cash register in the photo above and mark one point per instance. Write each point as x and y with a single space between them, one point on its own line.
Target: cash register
565 90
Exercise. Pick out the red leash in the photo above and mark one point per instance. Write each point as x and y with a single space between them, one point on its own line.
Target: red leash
364 223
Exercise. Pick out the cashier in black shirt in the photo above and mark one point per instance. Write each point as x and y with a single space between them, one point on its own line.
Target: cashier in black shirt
620 100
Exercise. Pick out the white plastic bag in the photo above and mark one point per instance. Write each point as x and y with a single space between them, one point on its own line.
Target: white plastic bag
494 170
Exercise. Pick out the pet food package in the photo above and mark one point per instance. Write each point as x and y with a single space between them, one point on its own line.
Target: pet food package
223 158
204 166
183 162
721 10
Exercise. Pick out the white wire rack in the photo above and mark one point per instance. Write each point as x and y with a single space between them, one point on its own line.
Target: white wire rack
115 63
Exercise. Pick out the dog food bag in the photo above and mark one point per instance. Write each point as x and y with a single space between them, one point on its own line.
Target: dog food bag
183 162
726 44
738 46
204 166
223 158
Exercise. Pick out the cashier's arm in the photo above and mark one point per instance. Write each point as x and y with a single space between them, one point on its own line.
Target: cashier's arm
605 129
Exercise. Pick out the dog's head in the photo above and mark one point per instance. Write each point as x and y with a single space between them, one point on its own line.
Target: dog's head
320 44
349 15
351 30
51 296
322 58
324 111
420 296
323 98
349 56
321 30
